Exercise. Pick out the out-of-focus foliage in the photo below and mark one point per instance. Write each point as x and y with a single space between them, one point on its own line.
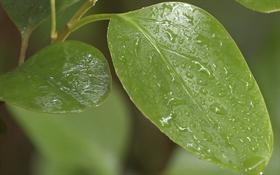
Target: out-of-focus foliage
2 126
28 14
92 142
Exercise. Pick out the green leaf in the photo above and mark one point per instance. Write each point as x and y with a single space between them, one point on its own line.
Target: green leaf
65 77
92 142
28 14
185 73
266 6
266 67
182 163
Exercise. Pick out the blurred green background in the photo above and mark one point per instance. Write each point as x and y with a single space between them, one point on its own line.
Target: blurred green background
85 144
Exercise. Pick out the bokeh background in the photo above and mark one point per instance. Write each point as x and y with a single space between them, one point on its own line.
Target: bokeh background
117 138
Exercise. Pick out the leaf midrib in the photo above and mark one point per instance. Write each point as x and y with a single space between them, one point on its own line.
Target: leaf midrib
169 65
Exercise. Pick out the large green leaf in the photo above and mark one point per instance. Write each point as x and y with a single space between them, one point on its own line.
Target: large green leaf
28 14
182 163
185 73
266 66
64 77
266 6
92 142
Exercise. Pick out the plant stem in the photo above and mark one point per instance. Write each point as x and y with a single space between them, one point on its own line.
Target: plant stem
84 21
77 16
53 21
23 48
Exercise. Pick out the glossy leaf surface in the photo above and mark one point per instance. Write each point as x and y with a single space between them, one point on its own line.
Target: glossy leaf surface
185 73
28 14
266 6
267 71
92 142
65 77
182 163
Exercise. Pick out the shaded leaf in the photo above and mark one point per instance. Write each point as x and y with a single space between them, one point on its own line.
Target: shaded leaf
92 142
185 73
28 14
65 77
266 6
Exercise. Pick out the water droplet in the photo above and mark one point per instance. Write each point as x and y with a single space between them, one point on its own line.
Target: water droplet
252 104
204 91
217 108
189 75
165 120
181 128
190 145
172 78
170 100
247 84
187 129
249 139
230 88
214 66
226 71
221 93
202 68
202 82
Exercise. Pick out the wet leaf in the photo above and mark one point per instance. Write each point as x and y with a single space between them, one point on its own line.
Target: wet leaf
92 142
185 73
28 14
65 77
266 6
266 67
182 163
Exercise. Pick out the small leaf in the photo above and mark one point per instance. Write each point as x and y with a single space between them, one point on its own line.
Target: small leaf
28 14
185 73
65 77
92 142
266 6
